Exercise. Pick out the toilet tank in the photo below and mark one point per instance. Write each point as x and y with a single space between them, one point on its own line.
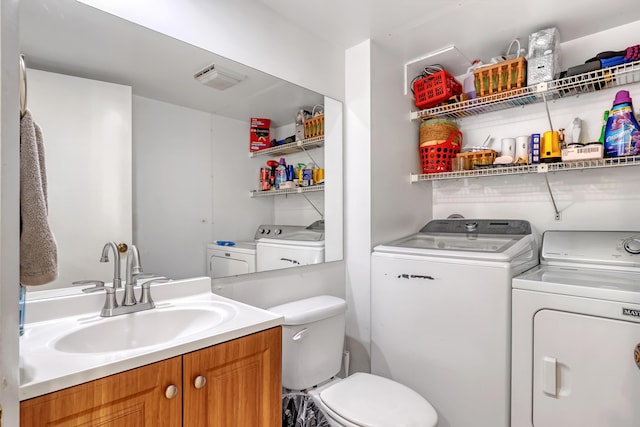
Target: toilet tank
312 340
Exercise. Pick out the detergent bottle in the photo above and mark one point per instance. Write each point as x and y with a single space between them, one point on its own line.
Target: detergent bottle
281 173
469 86
622 132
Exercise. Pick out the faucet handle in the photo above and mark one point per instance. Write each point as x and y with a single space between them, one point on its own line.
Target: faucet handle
140 276
110 302
99 285
145 296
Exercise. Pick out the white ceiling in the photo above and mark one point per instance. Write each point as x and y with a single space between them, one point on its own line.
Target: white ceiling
68 37
480 29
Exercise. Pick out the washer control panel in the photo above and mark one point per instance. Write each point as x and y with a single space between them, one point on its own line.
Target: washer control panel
273 231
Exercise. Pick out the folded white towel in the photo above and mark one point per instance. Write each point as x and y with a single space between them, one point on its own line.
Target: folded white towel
38 250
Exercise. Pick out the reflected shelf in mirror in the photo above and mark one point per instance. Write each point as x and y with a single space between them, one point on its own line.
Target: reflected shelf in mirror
292 147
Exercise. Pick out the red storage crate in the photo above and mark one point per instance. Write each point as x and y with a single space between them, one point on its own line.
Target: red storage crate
434 89
436 158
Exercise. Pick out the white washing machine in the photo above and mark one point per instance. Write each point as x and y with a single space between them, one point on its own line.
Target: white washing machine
291 246
576 333
441 310
226 259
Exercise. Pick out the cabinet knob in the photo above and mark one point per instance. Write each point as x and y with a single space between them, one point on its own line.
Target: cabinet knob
171 391
199 382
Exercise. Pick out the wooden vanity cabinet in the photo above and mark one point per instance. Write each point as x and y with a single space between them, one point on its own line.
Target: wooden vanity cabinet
243 383
132 398
241 387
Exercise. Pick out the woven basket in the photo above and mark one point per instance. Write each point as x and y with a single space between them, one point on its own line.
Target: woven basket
314 127
434 131
473 158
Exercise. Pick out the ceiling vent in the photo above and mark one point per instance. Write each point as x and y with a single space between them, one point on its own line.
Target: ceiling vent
218 78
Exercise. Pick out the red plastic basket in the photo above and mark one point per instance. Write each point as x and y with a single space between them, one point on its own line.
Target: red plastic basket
437 157
434 89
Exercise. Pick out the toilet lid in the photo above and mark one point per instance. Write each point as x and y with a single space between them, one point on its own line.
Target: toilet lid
370 401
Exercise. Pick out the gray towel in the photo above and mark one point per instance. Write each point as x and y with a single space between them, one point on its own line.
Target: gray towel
38 250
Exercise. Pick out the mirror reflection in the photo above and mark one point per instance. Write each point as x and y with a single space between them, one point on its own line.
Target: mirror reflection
142 149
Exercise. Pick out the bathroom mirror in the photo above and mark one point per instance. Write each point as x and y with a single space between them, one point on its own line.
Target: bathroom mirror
186 177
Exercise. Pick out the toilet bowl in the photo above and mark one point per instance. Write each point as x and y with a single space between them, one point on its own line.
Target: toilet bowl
312 344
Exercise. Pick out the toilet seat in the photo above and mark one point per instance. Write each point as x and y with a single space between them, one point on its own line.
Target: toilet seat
368 400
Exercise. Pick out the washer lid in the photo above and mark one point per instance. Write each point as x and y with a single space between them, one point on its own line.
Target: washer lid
371 401
457 242
482 239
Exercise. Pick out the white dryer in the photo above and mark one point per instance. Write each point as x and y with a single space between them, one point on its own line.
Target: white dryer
576 333
291 246
441 310
224 260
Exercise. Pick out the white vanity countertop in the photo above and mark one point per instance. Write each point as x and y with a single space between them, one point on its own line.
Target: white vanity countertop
45 369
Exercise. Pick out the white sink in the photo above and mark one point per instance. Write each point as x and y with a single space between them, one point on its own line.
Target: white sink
143 329
66 342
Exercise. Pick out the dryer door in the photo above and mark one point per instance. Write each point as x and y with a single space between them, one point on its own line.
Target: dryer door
223 266
585 371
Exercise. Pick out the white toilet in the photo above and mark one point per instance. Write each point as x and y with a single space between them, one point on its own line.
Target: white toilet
312 343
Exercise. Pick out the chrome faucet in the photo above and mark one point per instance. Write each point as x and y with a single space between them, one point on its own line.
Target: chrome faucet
133 273
117 280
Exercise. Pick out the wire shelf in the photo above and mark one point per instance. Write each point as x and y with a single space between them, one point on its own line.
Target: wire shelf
291 147
526 169
297 190
581 83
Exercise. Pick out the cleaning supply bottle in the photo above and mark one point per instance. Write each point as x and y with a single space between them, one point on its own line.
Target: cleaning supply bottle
622 133
605 117
469 85
307 176
281 173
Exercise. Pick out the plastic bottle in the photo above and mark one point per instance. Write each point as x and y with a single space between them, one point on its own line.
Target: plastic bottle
281 173
469 85
299 173
605 117
622 133
307 176
21 309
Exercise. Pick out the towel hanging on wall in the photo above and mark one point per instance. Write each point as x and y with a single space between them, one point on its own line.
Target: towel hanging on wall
38 249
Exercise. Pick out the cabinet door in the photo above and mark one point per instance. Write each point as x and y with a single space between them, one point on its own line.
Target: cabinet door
242 383
135 398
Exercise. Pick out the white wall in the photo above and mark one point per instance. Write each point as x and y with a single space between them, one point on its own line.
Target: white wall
357 202
270 288
236 216
397 208
249 33
172 187
192 177
9 213
86 126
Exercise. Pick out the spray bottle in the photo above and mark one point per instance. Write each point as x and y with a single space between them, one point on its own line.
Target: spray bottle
622 132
